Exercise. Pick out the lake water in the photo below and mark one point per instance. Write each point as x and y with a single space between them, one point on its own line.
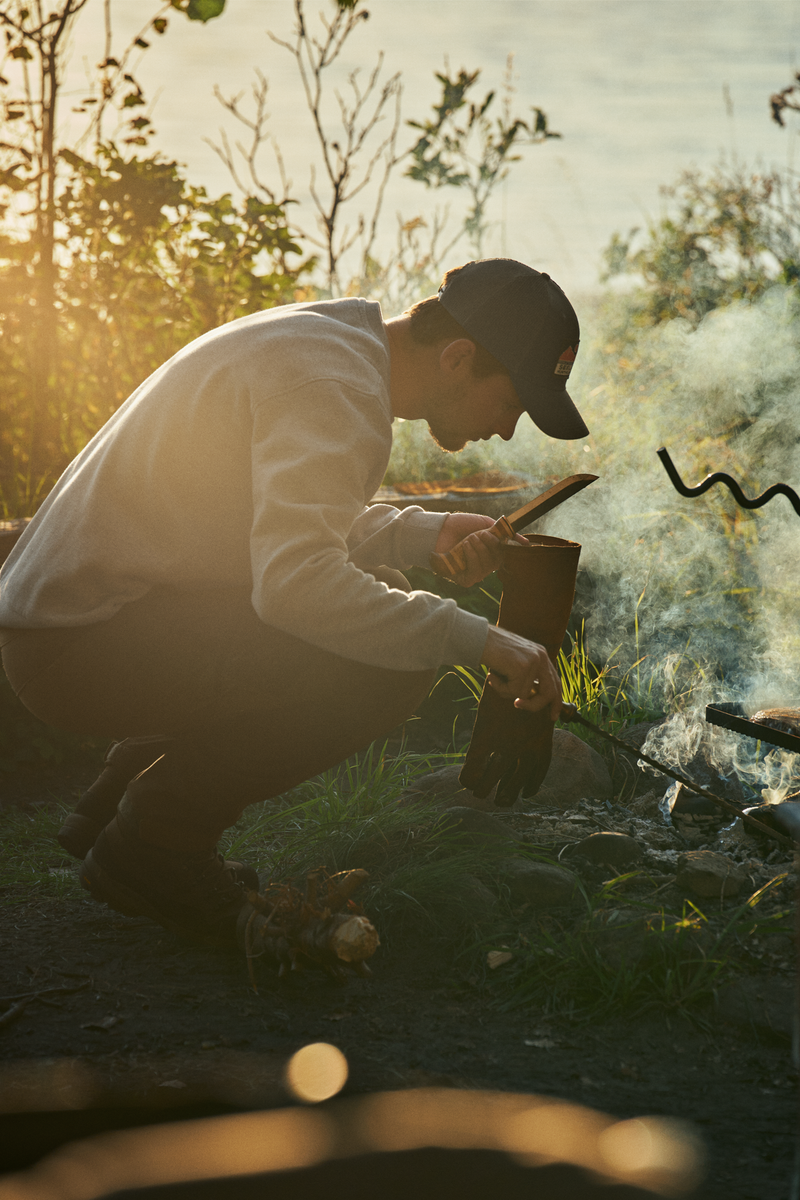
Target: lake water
636 88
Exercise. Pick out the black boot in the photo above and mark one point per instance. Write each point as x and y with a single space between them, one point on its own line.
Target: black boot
146 865
97 806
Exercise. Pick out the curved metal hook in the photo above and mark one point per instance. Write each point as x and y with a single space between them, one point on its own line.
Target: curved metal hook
777 489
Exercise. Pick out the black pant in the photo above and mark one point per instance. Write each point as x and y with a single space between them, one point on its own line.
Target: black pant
252 711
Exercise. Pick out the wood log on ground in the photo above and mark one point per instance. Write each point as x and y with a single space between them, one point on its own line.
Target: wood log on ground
320 925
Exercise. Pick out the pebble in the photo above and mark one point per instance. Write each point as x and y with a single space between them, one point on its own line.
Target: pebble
615 849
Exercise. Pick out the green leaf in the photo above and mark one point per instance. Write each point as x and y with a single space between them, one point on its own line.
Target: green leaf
199 10
160 24
22 52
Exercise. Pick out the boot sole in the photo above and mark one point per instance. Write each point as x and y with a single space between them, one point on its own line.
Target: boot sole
78 834
106 890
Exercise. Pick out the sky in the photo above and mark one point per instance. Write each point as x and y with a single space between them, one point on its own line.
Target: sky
639 90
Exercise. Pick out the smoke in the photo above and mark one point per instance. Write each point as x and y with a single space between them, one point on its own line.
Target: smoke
708 593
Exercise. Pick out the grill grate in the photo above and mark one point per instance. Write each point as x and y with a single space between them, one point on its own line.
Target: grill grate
730 716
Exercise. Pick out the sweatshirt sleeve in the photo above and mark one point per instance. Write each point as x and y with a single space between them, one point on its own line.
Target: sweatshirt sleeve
315 451
382 536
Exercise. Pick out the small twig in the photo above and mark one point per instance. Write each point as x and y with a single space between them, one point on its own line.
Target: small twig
662 887
45 992
12 1013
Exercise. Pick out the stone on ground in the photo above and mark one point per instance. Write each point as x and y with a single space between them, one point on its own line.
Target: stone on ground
442 788
477 828
576 772
708 874
615 849
539 884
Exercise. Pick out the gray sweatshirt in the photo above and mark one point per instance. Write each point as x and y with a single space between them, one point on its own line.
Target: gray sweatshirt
249 459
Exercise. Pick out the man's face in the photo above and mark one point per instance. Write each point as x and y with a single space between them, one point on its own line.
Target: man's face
474 411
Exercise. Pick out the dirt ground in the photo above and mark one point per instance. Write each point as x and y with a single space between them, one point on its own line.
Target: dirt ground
152 1028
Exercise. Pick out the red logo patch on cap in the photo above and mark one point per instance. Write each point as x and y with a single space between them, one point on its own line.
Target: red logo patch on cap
564 364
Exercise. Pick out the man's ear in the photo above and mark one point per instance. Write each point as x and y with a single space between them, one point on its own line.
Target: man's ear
457 357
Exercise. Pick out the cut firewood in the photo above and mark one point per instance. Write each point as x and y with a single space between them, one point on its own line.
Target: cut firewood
320 925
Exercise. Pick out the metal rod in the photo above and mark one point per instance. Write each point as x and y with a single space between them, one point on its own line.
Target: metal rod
570 714
777 489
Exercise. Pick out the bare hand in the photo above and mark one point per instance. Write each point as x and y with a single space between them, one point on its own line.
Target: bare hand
522 671
479 548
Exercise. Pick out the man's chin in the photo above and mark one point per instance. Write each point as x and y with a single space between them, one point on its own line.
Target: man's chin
451 443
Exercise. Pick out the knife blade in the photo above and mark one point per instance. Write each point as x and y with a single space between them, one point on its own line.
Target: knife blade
451 564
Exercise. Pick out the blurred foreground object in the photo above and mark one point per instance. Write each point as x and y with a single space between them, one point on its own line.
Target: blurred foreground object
511 745
481 1142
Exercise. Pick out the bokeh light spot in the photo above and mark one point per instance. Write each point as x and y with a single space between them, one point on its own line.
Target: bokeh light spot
316 1072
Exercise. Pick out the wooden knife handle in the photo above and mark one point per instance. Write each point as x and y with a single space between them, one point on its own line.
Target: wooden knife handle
451 565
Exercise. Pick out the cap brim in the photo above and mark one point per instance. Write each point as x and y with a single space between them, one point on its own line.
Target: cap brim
554 413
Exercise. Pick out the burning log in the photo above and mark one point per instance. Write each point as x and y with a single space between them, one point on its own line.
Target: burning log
786 720
318 926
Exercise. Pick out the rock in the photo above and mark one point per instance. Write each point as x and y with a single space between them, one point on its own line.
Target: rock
477 894
696 818
442 787
576 772
616 849
477 828
706 873
783 817
647 805
636 735
764 1005
539 884
620 936
467 900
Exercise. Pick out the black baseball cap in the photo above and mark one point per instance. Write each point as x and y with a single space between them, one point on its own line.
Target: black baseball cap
527 323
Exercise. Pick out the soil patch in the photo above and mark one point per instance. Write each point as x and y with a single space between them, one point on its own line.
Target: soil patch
157 1028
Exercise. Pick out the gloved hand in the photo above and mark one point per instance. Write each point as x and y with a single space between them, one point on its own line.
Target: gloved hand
511 745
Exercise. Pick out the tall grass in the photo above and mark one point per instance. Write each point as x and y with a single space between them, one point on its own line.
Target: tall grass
625 956
33 864
611 695
420 867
